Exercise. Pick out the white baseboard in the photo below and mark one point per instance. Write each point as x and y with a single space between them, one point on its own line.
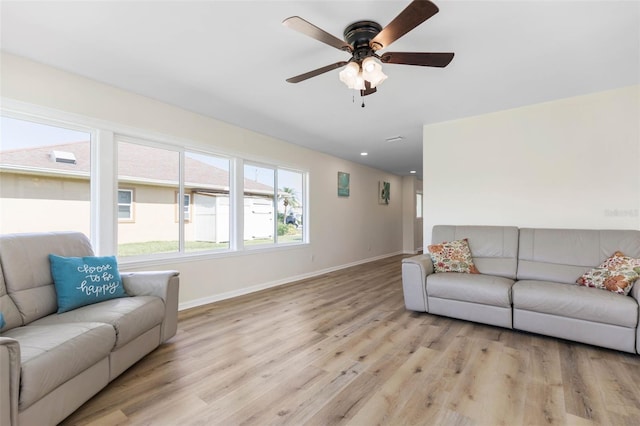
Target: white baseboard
264 286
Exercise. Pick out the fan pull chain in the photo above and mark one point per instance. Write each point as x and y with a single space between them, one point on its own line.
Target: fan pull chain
353 100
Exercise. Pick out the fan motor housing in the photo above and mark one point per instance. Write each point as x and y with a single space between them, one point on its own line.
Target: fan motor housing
358 35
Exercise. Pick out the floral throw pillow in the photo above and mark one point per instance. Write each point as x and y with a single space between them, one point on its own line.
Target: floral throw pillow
453 256
617 274
620 261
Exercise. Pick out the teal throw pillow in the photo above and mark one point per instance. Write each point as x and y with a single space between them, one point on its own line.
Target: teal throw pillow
81 281
2 323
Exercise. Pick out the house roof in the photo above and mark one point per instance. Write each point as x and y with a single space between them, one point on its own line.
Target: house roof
39 159
136 164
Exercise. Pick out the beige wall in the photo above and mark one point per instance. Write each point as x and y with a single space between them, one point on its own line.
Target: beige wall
343 230
40 204
570 163
154 216
32 203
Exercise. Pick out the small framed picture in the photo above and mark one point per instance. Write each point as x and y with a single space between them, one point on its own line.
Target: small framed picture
384 189
343 184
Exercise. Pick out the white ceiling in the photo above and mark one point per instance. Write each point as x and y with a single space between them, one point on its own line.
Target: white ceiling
230 59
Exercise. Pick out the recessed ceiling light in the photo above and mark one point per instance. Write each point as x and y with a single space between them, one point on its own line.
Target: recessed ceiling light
364 154
413 172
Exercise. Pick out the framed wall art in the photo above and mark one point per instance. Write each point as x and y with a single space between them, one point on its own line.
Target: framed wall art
384 194
343 184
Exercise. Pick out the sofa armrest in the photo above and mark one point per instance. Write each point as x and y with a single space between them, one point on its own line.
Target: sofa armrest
415 270
635 291
9 380
163 284
423 260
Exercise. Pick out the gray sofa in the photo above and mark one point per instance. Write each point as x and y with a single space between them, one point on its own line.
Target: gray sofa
50 363
527 282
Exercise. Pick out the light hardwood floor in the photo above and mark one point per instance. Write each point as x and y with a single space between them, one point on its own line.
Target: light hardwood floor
342 349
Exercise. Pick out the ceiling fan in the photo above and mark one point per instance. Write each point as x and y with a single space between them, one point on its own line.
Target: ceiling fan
363 39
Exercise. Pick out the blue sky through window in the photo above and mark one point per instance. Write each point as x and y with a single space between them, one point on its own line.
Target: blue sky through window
21 134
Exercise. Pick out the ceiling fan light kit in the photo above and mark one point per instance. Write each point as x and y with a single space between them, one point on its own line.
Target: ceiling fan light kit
363 39
354 75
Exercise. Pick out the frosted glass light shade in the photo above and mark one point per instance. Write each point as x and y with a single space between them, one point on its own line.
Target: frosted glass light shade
372 71
354 77
349 74
359 83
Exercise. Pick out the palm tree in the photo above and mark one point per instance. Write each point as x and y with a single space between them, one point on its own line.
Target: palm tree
288 197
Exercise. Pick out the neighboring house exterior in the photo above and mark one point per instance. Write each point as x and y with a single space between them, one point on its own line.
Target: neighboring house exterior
55 180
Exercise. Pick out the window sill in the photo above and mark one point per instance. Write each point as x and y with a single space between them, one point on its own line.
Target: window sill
173 258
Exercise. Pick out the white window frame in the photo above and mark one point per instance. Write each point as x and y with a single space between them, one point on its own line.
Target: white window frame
274 206
104 180
276 185
41 115
304 206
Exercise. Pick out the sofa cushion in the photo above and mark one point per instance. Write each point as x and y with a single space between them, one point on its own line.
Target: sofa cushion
563 255
452 256
27 273
573 301
81 281
494 248
482 289
10 313
51 355
129 316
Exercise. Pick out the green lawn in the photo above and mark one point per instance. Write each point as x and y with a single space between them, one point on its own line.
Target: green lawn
154 247
149 247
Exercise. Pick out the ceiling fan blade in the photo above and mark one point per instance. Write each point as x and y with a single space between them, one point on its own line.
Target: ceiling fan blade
416 58
413 15
307 28
307 75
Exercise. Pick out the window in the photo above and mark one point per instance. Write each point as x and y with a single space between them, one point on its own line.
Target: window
290 206
125 204
169 200
206 205
419 205
259 206
45 177
187 207
270 215
153 174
